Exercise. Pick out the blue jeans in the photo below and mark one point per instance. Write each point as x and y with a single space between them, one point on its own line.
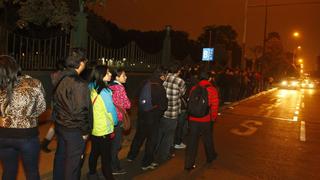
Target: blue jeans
12 148
69 155
166 137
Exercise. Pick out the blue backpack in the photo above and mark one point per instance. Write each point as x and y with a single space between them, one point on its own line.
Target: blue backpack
145 100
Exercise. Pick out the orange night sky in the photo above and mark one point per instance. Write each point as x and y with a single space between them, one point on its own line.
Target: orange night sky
191 16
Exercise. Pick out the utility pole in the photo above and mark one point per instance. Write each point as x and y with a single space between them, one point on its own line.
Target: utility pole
265 32
244 38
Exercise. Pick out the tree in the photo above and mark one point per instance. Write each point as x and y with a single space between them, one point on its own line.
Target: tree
223 38
275 62
46 13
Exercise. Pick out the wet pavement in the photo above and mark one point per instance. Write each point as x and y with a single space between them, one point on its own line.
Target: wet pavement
274 135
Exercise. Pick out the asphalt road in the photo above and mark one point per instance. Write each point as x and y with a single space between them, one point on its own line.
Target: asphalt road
271 136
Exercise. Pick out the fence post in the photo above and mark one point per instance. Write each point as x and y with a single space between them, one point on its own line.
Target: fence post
79 34
166 50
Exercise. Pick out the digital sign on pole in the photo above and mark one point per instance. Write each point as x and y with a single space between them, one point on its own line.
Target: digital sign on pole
208 54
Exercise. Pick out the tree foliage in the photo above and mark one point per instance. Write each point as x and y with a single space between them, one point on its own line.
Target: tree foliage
45 13
276 62
222 35
224 39
48 13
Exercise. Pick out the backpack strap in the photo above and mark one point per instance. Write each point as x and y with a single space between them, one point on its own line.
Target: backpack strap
94 100
56 87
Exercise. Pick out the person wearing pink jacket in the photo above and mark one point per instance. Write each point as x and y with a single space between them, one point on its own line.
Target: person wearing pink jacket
120 99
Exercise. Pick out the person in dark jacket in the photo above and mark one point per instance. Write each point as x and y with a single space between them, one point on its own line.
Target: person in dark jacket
57 75
21 103
202 126
148 122
73 119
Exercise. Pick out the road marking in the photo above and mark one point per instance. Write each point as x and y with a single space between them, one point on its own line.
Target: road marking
251 129
303 131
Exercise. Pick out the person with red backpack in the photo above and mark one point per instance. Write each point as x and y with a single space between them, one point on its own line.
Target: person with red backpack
202 111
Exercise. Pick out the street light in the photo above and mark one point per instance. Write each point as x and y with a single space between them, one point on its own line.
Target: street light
294 53
296 34
300 61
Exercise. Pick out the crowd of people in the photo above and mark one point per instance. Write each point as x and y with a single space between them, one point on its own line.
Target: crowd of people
92 110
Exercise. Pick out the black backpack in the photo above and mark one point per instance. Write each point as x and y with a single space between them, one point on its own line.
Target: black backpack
145 100
198 104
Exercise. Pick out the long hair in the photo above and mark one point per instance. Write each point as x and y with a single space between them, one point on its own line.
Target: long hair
9 71
96 77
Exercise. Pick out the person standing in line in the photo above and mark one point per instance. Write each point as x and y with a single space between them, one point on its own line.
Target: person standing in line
104 120
73 118
202 126
50 133
121 100
21 103
148 119
182 119
175 88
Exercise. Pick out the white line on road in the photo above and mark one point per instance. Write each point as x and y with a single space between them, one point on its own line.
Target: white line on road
303 131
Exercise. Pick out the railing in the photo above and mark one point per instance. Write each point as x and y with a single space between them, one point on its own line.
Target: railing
130 56
43 54
32 53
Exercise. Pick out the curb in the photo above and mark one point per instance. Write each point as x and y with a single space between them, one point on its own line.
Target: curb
248 98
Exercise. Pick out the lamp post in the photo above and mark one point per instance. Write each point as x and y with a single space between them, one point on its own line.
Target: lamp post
295 35
244 38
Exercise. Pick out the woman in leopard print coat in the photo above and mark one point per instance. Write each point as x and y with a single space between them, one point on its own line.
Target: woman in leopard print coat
21 103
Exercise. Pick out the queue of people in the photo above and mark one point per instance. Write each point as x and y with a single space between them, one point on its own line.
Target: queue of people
92 110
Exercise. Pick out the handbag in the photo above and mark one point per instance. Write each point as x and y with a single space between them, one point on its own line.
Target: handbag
126 122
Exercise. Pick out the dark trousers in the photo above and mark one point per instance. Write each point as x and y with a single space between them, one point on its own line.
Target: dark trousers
147 129
101 146
197 129
167 129
28 149
180 131
116 146
69 154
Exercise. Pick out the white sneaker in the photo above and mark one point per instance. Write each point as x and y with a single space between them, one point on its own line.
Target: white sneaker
150 167
154 164
180 146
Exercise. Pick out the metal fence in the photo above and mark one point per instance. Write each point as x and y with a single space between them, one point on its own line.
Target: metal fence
32 53
43 54
130 56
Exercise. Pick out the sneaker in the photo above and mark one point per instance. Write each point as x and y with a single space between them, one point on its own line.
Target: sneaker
190 168
180 146
154 164
129 160
119 172
150 167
